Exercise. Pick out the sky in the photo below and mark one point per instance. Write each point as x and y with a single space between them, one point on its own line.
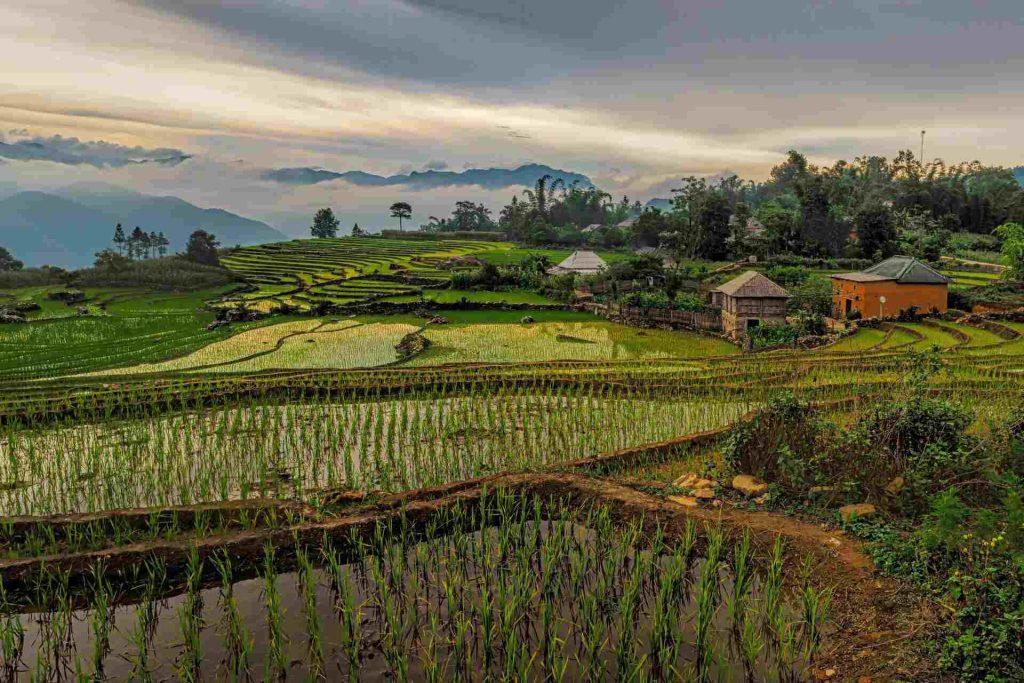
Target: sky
201 99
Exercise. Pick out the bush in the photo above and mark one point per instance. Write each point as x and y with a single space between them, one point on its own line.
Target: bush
767 336
32 277
782 431
810 323
659 300
172 272
787 276
972 560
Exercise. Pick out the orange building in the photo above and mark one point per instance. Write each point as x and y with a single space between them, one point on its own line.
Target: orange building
889 287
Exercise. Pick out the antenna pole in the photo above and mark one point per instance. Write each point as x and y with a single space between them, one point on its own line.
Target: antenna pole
922 148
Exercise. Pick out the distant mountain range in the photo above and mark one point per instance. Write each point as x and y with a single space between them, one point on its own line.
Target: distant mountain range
1019 174
66 227
487 178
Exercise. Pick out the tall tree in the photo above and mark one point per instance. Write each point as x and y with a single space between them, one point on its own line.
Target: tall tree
876 230
818 227
7 261
162 244
120 241
153 242
1013 247
470 216
324 223
401 211
202 248
357 231
137 243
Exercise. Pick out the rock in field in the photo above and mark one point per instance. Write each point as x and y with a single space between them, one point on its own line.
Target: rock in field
857 511
895 486
692 481
749 485
685 501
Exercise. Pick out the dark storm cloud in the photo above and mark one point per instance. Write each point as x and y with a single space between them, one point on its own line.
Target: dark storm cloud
98 153
648 45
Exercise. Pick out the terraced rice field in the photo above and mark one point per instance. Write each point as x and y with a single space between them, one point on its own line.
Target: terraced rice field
965 279
125 328
535 342
290 503
344 270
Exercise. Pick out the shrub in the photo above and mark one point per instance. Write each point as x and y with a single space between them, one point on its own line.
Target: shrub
809 323
173 272
972 560
783 432
32 277
788 276
767 336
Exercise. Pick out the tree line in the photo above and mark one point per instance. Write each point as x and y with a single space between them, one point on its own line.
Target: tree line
138 244
869 207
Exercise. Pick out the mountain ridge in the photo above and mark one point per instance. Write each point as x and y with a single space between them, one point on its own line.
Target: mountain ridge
488 178
66 227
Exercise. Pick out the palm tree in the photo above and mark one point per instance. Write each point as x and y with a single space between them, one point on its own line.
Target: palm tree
539 197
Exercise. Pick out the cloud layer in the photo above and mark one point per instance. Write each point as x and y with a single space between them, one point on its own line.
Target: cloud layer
632 94
97 153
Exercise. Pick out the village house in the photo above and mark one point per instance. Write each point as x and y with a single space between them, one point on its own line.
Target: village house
579 263
748 301
885 289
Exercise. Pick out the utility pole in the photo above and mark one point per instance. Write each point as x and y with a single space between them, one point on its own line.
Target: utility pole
922 148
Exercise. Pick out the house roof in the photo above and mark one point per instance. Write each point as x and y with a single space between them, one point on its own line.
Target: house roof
580 262
628 223
903 269
752 284
593 227
861 277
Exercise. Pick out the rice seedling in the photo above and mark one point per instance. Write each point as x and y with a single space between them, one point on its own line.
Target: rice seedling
464 598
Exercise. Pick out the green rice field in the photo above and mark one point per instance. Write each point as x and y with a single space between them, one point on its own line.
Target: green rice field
344 270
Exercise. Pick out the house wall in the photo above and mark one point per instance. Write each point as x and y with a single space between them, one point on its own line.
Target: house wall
736 311
864 297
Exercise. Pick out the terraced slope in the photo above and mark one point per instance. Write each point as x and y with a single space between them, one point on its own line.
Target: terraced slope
344 270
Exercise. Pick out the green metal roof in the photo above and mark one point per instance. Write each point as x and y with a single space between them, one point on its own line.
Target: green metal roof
908 270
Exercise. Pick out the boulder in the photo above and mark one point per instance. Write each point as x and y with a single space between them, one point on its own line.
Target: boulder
703 494
749 485
693 481
895 486
857 511
527 319
685 501
10 317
